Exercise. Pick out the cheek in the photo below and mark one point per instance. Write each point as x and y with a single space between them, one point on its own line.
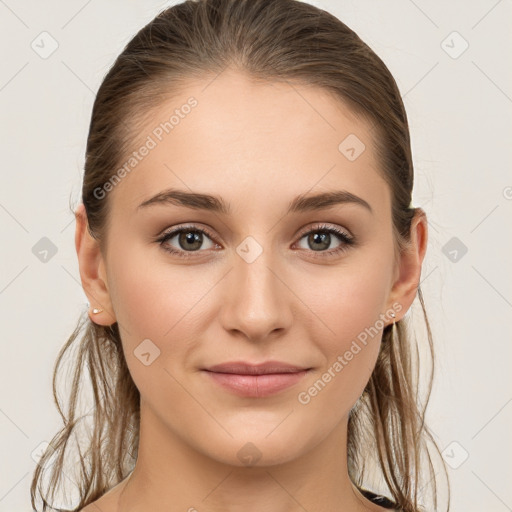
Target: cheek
168 304
151 298
347 328
151 304
346 302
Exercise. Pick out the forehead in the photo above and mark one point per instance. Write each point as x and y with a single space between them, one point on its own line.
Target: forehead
234 136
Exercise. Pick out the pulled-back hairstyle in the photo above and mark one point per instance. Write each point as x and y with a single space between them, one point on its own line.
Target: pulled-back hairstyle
270 40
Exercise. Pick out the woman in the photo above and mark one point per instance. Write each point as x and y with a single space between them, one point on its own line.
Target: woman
249 249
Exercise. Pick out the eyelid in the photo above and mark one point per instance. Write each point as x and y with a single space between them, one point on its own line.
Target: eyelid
319 226
181 227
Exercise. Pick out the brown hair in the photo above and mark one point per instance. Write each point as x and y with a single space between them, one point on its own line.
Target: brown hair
273 40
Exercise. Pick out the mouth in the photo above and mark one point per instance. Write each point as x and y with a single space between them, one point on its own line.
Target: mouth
246 368
256 380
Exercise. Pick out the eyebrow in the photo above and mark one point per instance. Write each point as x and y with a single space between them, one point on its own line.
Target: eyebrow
302 203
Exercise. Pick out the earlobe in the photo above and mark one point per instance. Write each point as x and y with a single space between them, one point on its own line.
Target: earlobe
406 284
92 273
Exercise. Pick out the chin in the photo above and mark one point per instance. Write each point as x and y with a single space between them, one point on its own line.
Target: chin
258 450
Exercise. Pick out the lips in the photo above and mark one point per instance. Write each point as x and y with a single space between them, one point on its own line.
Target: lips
243 368
256 380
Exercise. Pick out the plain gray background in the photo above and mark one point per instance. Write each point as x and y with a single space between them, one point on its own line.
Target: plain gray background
459 103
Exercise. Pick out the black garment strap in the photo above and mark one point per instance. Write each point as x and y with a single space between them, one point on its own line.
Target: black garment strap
378 500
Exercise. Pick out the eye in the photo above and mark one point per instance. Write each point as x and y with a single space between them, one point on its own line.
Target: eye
188 239
320 238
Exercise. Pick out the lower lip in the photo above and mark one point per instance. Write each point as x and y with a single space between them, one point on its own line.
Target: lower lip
257 386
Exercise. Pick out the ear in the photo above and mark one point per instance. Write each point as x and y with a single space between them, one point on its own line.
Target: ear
407 276
92 271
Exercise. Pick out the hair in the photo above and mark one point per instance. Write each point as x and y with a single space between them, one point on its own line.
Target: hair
271 40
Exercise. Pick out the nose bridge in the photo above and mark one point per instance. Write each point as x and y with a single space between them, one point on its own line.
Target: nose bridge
256 303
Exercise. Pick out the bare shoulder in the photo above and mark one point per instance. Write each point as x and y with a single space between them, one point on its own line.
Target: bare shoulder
100 505
90 508
107 502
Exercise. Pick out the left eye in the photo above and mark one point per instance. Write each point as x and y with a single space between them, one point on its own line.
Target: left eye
189 240
321 237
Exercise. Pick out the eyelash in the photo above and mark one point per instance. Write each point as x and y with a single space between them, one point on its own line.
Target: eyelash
323 228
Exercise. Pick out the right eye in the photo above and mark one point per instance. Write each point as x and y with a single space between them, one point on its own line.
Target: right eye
188 238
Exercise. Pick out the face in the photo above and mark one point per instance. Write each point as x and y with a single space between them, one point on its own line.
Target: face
193 286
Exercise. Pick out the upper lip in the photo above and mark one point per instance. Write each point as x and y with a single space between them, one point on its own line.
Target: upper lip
244 368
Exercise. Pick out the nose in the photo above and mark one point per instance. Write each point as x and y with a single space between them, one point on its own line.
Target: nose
257 300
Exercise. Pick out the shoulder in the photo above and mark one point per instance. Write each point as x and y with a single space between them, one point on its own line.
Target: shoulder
106 503
99 506
92 507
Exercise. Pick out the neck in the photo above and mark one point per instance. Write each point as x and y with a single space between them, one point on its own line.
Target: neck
170 475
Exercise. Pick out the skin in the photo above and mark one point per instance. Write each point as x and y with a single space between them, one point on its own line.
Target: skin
258 146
